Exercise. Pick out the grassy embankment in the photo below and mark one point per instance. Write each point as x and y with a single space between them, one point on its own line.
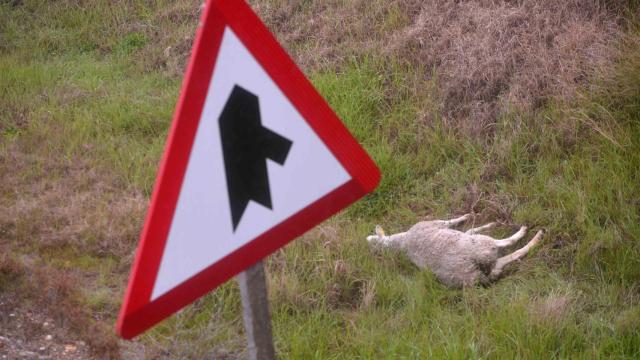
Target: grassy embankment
86 97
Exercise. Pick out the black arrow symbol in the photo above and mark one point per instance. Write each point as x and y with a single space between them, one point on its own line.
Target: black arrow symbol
246 145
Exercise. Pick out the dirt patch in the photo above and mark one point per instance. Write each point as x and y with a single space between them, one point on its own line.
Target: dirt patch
43 313
27 334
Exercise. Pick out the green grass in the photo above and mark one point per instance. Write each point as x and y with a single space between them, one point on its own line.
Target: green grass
78 84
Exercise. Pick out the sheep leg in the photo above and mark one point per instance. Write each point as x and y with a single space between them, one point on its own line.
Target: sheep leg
512 239
516 255
456 221
478 229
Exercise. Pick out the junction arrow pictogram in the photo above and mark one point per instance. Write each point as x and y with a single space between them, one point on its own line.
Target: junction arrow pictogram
246 145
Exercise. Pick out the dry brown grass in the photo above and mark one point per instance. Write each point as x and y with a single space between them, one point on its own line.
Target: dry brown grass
53 203
324 34
490 57
170 32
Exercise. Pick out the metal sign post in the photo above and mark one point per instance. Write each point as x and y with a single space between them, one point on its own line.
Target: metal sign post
255 311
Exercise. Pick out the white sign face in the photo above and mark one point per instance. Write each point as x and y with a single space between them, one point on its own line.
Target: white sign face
202 231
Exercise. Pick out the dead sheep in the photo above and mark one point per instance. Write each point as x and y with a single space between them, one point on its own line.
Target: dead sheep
457 258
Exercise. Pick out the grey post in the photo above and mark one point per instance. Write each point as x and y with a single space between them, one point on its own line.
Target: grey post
255 311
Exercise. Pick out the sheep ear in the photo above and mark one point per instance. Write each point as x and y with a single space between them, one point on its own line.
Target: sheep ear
379 231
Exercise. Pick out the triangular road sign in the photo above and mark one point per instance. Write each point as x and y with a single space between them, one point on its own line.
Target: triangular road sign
255 157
